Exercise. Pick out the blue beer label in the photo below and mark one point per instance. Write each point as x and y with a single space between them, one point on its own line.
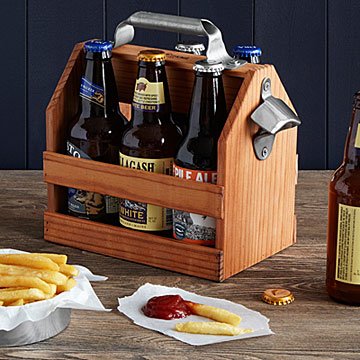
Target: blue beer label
93 93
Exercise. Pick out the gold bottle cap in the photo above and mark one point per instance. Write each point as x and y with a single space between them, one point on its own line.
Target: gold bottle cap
278 296
151 55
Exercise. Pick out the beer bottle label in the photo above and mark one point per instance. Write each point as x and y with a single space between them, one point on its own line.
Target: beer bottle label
348 245
148 96
93 93
141 216
87 203
194 228
357 138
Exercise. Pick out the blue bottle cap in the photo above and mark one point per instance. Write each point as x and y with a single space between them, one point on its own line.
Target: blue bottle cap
246 51
96 46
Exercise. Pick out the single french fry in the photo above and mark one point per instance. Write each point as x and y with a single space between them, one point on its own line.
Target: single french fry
19 302
1 303
214 313
69 270
26 294
8 281
56 258
49 276
210 328
29 260
68 286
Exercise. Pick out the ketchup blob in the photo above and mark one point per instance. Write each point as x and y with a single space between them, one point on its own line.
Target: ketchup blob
166 307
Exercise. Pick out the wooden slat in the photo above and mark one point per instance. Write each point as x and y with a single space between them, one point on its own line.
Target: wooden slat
259 197
157 189
134 246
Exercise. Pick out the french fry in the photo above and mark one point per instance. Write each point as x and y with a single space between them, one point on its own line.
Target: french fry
214 313
51 277
69 270
68 286
56 258
29 260
19 302
26 294
24 281
210 328
1 303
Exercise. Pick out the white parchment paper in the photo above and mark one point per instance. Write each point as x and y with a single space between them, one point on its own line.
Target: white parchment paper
131 307
82 297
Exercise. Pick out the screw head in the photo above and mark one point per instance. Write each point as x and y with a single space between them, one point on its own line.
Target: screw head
267 86
265 152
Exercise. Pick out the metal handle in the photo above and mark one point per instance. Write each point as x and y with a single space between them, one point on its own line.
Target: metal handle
272 116
216 50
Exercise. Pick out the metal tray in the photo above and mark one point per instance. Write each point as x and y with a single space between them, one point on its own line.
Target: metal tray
31 332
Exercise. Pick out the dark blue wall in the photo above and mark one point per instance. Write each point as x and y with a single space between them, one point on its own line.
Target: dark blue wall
313 44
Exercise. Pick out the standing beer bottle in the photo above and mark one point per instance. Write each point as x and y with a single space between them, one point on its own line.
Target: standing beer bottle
197 156
343 245
96 131
249 53
150 141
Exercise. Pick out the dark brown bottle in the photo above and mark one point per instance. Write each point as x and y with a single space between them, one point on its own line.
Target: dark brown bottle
343 245
196 158
96 131
150 141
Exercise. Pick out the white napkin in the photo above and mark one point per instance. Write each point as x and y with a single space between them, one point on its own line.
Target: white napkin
82 297
131 307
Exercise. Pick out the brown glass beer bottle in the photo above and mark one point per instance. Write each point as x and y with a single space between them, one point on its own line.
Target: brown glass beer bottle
96 131
196 158
343 245
150 141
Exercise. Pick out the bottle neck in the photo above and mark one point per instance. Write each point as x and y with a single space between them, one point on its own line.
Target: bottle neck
101 97
208 107
352 146
151 101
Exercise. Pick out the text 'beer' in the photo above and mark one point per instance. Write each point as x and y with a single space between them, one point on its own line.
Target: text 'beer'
96 131
150 141
343 246
196 159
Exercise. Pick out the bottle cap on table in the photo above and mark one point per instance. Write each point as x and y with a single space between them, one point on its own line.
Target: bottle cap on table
278 296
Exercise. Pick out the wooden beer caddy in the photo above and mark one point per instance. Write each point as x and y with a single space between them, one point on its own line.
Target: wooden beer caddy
253 201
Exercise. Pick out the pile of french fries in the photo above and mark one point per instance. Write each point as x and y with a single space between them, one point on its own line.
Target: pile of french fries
26 278
225 322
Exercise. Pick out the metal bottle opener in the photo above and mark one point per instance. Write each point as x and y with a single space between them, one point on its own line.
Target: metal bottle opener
272 116
216 50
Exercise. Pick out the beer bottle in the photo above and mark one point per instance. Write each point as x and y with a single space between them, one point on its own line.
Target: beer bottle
251 54
343 244
191 47
95 133
150 141
196 158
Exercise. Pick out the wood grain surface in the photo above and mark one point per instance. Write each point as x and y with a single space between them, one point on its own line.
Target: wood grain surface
313 327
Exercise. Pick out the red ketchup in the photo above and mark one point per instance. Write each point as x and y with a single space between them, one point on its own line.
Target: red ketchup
166 307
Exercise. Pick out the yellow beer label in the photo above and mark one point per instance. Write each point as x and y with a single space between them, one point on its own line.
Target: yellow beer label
357 138
148 96
141 216
348 245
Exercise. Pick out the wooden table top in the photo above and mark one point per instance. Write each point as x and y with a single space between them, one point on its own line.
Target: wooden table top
312 327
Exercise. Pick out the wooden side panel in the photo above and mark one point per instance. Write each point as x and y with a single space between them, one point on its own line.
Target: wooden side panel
62 108
134 246
259 195
158 189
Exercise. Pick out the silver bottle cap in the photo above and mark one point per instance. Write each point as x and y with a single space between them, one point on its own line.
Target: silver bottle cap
193 47
209 66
